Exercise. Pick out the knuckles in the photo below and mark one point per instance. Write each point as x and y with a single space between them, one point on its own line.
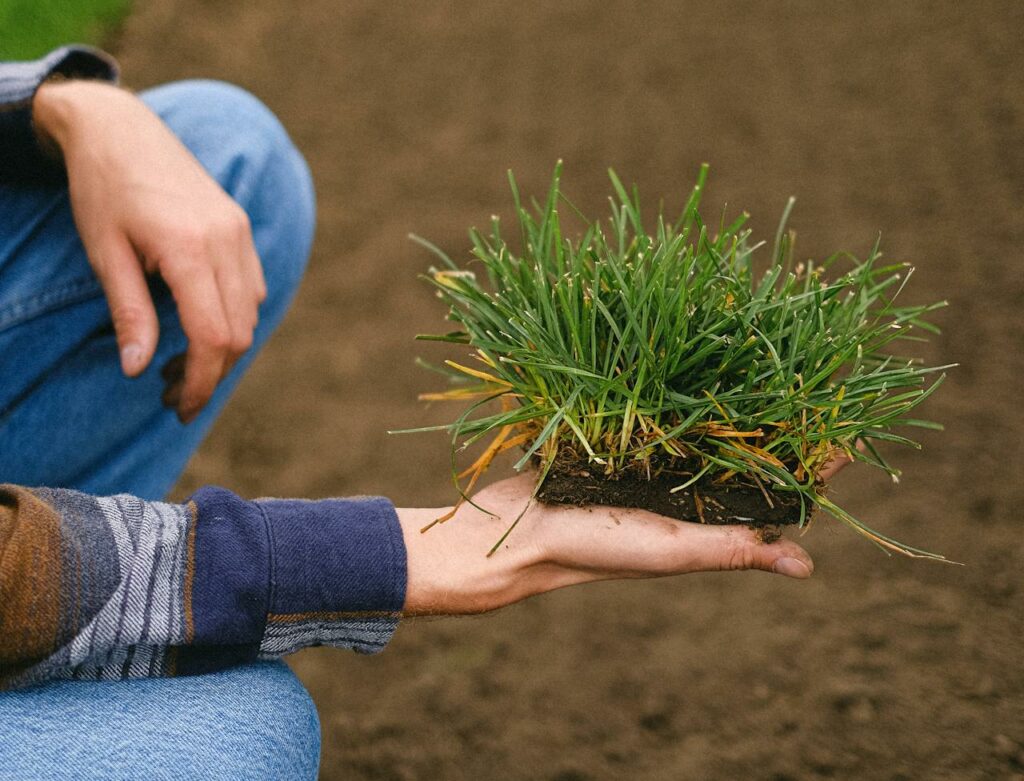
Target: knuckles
740 553
241 224
241 342
231 225
130 317
191 242
213 334
220 338
216 338
207 234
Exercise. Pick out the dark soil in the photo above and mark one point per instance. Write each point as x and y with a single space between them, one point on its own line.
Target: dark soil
905 118
649 486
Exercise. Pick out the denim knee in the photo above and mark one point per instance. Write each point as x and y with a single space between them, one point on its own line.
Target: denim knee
280 737
246 149
253 721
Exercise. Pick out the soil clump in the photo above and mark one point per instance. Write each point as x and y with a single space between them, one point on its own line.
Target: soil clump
650 485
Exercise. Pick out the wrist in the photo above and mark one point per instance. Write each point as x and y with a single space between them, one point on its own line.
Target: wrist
59 108
52 111
449 571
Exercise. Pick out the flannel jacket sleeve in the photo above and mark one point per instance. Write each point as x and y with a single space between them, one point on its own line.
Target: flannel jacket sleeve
21 159
103 588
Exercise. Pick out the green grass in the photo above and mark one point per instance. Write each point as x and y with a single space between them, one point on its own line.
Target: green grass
30 28
670 338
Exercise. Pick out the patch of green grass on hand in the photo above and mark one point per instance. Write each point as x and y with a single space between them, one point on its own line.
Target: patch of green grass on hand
679 339
31 28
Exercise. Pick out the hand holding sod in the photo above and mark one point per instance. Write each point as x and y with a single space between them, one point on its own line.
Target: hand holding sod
144 205
557 545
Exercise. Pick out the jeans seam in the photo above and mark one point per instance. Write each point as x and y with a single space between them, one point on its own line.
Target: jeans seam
73 292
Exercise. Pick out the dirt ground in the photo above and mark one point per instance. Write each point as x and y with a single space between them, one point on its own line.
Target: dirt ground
904 118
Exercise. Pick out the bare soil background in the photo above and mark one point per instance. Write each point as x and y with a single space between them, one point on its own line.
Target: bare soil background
904 118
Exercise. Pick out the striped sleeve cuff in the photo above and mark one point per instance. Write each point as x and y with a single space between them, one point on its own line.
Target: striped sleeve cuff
21 159
274 576
339 574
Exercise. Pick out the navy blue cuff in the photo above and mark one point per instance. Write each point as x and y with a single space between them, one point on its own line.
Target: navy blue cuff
21 159
335 556
267 578
229 571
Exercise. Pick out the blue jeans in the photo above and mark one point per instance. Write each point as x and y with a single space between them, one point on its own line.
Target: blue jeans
248 722
69 418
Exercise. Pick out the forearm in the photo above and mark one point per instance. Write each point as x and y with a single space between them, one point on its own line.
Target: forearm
116 587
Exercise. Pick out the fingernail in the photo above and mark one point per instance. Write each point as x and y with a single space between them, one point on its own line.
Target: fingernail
791 568
131 358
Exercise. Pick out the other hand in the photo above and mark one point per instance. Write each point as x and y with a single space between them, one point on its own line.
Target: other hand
144 205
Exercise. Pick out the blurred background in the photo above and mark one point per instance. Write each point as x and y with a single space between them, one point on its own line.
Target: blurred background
900 118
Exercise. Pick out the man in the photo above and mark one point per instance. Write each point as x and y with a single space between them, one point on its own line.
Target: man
148 247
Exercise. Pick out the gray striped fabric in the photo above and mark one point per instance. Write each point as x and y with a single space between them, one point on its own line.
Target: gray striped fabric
129 635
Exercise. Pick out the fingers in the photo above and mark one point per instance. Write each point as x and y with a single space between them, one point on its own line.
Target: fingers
217 284
131 306
241 286
597 543
251 265
206 325
665 546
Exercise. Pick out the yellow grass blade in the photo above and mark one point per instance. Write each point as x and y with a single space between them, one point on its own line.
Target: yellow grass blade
482 356
497 446
478 374
716 430
457 394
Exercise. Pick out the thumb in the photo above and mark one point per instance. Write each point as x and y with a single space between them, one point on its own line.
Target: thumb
782 558
131 306
800 567
740 548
